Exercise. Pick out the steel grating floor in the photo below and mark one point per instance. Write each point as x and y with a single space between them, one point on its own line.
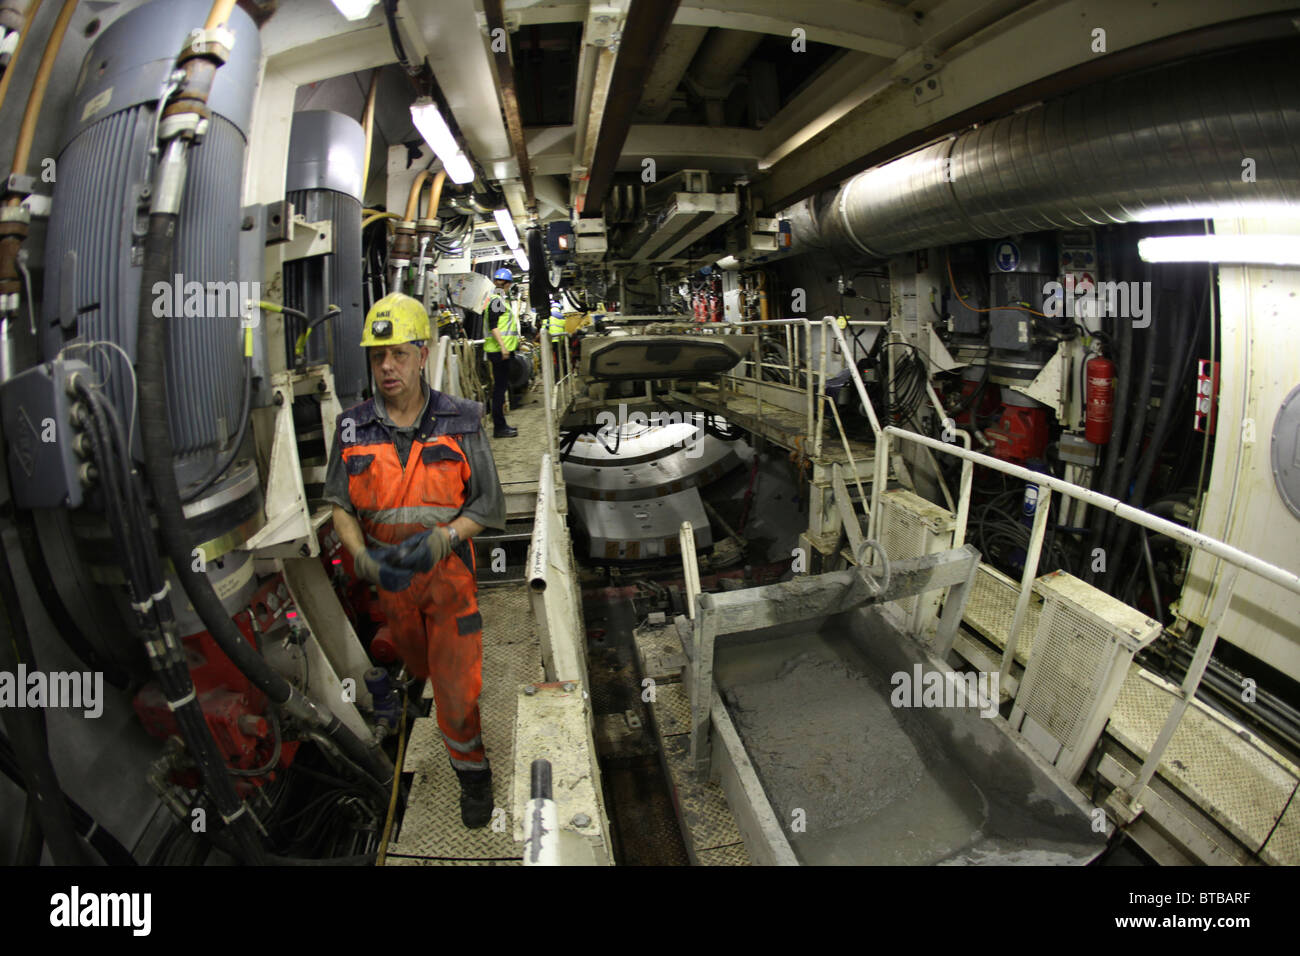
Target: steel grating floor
991 609
1231 779
431 831
705 819
1242 783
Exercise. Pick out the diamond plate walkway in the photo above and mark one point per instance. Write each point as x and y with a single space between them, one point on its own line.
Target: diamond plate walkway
431 833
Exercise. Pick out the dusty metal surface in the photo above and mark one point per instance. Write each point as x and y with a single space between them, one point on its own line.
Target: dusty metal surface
1232 779
555 725
517 459
659 652
1240 783
672 709
854 779
706 819
431 828
782 426
992 607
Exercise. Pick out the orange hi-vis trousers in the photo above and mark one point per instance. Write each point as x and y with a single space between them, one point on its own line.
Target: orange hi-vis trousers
435 622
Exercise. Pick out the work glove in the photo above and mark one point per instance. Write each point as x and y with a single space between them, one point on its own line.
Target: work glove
377 565
421 552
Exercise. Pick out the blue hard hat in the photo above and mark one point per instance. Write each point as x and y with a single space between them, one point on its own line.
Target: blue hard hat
504 273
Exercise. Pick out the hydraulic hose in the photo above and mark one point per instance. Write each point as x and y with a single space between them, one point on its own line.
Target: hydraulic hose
124 505
1184 341
1134 443
155 432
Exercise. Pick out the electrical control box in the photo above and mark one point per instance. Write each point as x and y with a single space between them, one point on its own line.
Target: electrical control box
37 413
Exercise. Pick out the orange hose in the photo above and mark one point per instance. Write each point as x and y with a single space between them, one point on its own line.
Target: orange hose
32 7
219 14
413 198
435 193
27 131
369 123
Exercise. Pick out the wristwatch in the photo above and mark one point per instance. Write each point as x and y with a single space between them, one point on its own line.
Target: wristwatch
452 536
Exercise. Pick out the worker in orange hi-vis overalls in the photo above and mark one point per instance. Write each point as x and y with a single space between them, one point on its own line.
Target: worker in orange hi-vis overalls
412 480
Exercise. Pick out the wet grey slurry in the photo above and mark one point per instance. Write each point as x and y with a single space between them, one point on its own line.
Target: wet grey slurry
815 717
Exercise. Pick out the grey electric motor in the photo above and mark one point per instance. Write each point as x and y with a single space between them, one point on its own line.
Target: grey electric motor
323 181
100 210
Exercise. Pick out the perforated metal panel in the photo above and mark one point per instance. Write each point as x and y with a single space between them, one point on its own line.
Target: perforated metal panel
910 526
1075 654
1084 644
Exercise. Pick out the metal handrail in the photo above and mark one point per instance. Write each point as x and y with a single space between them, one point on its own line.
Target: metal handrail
1236 559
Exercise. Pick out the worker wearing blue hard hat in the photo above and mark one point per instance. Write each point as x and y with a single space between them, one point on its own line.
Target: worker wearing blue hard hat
500 340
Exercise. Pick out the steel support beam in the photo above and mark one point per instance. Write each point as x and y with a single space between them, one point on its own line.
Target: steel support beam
505 74
644 34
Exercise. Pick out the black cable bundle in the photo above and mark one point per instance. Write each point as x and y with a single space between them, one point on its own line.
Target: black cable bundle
128 519
540 289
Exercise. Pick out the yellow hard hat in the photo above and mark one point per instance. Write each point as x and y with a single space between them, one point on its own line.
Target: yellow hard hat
395 319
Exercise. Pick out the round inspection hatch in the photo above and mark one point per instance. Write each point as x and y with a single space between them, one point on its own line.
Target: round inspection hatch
1286 451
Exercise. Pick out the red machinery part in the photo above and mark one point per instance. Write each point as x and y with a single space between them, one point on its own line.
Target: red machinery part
234 709
981 409
1207 395
382 647
1020 435
1100 399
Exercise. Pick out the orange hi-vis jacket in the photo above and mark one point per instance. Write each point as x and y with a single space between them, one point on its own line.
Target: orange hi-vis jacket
435 622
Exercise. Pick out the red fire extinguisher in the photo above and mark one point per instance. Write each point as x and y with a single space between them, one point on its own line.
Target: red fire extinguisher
1100 396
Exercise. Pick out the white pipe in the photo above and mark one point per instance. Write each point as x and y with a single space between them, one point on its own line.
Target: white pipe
1030 572
1220 549
881 475
538 553
548 385
439 363
690 567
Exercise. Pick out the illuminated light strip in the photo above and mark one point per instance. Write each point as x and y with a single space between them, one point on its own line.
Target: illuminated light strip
1232 249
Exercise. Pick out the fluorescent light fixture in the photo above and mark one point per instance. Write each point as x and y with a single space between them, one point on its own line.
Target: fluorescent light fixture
1229 248
522 258
434 129
355 9
508 231
459 169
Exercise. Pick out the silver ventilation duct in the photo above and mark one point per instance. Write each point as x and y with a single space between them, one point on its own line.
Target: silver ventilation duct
1176 143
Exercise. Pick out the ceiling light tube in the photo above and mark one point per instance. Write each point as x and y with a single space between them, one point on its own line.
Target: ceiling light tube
459 169
436 132
355 9
507 225
522 258
1233 249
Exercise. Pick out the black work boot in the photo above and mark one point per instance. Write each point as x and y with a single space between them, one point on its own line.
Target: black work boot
504 431
475 796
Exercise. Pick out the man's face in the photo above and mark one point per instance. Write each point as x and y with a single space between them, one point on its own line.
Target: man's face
396 369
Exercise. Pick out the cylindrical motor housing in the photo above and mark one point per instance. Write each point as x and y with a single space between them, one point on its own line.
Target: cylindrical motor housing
100 210
323 181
